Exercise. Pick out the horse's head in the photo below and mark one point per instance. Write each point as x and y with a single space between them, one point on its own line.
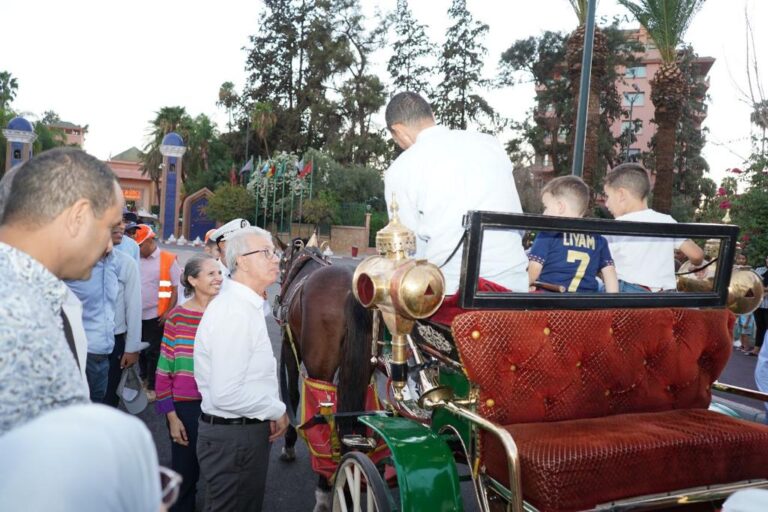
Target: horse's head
290 251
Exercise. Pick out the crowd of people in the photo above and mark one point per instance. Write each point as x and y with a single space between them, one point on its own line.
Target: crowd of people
108 301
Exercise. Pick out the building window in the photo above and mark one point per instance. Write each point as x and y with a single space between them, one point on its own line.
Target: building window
633 155
635 72
650 45
634 99
638 126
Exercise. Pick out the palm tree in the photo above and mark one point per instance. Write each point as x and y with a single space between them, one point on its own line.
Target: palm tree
666 21
759 117
263 119
228 99
573 55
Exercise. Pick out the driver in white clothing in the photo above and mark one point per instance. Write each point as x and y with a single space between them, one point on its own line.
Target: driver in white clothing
441 175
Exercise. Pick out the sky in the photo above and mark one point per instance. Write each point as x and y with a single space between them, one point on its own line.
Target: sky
111 65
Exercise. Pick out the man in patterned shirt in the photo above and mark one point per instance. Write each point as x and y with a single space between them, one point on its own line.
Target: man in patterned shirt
56 225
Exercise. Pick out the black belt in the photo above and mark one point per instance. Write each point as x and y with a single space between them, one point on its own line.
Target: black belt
216 420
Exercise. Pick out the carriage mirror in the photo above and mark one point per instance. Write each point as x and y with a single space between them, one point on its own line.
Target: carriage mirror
715 283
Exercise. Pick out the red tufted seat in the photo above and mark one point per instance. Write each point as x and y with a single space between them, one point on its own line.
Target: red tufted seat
607 404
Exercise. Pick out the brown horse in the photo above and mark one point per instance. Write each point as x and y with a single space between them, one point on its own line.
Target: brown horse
331 333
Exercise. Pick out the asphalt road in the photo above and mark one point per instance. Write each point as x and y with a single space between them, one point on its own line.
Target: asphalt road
290 486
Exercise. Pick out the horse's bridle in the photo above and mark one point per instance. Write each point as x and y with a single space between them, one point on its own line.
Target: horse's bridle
287 293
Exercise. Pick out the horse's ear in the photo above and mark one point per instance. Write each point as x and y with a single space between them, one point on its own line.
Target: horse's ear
276 240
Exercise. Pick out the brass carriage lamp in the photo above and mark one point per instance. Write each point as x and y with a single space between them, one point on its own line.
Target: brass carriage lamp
402 288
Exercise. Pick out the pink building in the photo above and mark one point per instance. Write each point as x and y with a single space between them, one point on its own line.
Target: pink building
74 134
636 93
633 86
138 189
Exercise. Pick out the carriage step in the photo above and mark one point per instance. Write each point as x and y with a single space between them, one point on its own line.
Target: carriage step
358 442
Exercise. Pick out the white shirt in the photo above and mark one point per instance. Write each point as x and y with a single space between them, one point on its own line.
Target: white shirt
235 369
444 174
647 261
109 447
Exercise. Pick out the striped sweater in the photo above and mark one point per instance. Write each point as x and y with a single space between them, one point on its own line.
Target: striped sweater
175 380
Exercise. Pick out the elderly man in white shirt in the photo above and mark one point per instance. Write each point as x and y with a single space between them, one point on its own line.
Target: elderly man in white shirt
440 176
236 373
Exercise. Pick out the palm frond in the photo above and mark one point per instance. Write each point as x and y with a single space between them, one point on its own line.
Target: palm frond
665 20
580 8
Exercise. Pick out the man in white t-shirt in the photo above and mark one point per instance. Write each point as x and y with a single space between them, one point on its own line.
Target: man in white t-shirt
643 264
441 175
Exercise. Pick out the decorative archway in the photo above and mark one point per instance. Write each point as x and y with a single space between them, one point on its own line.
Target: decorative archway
195 223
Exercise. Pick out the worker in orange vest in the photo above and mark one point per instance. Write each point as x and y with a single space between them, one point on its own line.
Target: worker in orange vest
160 273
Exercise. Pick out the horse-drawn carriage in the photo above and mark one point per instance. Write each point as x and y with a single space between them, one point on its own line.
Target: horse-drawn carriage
542 401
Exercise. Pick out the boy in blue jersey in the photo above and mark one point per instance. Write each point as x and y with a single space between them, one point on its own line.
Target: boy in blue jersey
570 260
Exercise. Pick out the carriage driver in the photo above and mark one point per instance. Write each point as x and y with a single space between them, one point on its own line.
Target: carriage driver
441 175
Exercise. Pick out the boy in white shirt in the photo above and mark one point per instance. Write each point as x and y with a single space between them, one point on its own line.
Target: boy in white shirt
643 264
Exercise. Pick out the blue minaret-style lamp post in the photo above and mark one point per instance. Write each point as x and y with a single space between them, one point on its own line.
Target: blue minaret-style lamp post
172 148
20 136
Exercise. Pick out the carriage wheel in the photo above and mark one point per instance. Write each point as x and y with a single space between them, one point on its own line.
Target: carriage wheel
359 486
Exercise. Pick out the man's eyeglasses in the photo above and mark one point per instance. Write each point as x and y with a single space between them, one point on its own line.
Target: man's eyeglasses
268 253
170 485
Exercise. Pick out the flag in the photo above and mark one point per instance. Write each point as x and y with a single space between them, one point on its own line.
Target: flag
248 167
306 170
271 171
281 168
265 168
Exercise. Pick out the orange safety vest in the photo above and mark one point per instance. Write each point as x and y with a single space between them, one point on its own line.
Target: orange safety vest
165 288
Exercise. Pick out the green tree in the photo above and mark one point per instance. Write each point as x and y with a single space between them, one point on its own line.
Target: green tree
229 202
291 62
409 65
9 86
666 21
362 92
461 65
323 209
690 184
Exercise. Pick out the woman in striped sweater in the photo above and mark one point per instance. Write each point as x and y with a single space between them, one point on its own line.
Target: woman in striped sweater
177 394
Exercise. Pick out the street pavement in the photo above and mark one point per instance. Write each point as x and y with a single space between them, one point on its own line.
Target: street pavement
290 486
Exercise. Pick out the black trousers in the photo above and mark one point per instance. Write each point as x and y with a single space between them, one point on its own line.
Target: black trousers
233 462
113 378
152 333
761 324
184 458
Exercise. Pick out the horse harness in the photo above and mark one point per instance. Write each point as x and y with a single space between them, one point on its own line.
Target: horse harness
290 287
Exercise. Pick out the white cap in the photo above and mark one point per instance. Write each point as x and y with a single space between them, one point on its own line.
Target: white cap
228 229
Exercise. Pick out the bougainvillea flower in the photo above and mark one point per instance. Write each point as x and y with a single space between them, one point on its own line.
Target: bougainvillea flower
725 205
736 170
721 191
